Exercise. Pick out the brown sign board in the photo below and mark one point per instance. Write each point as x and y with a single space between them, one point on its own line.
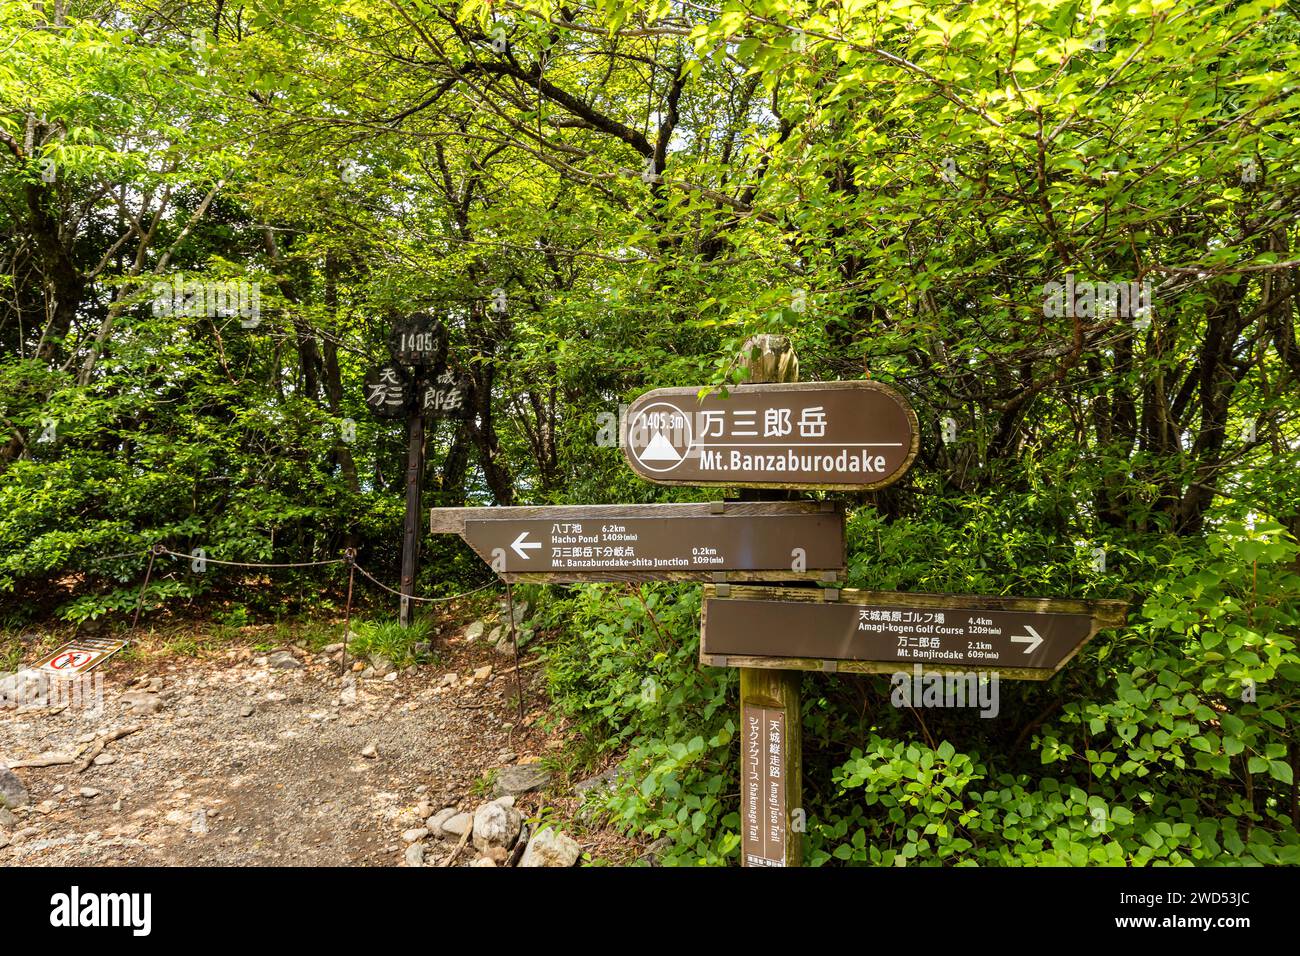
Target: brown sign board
828 435
762 786
709 541
883 631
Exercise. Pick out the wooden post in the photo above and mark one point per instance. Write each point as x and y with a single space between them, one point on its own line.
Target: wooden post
771 737
414 486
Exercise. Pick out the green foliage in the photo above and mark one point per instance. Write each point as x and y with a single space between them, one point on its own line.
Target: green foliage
123 601
1171 740
390 640
627 670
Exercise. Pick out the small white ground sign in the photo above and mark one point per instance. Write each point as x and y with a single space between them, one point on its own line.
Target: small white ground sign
79 656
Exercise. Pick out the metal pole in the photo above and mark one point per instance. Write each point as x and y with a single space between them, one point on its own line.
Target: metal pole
139 601
351 555
514 641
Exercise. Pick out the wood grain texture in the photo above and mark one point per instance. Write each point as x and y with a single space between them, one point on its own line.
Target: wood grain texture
771 358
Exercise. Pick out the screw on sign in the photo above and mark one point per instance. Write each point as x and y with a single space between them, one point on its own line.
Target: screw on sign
812 435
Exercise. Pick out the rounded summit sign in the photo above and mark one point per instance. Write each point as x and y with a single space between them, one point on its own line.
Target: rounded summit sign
659 437
829 435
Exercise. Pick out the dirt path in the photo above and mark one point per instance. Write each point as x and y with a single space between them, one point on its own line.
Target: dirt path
244 759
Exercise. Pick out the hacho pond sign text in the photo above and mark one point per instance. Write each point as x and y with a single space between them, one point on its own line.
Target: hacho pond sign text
828 435
709 541
881 632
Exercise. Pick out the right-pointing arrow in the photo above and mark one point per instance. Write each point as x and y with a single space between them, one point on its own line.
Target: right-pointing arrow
1033 639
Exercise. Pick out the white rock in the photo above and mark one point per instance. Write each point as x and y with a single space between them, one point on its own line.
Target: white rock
284 660
411 836
549 847
435 822
415 854
496 824
141 702
456 825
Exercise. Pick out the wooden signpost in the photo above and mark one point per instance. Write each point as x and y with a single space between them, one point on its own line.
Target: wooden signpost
771 703
430 391
711 541
776 433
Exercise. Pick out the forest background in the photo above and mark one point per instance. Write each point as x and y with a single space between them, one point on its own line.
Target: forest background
600 198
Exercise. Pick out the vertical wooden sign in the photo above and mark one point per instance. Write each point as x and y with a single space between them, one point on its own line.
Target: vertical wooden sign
763 787
773 695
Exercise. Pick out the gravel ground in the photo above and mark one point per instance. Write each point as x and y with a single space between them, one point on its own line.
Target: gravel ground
238 761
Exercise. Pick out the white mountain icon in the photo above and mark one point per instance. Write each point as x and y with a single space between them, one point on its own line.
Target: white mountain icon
660 449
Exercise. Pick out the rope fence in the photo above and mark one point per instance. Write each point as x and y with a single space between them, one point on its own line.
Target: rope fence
159 549
349 558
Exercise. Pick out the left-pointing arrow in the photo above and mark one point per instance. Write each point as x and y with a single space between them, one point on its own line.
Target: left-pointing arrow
522 542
